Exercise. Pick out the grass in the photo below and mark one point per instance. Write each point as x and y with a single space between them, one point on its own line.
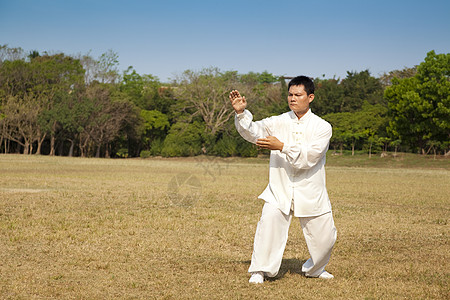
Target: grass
183 228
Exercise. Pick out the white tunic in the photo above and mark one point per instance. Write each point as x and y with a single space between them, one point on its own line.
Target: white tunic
297 173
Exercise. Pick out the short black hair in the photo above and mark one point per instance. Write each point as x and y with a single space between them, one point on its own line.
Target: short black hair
305 81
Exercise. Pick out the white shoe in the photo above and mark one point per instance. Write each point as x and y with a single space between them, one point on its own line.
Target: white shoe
257 277
326 275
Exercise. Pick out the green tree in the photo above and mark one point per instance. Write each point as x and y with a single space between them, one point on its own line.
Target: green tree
107 67
110 111
347 95
145 91
20 121
328 96
184 139
360 87
346 130
104 69
362 127
34 85
419 106
57 75
154 126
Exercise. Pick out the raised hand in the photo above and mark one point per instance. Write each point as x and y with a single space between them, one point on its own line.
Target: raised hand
237 101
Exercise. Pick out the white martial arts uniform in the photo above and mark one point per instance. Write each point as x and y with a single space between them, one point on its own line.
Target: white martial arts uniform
296 187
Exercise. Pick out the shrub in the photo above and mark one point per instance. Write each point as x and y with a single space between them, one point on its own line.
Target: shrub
156 147
122 152
145 154
247 149
184 139
226 146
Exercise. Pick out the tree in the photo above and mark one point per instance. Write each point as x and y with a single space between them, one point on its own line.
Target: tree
35 84
104 69
360 87
184 139
154 126
366 125
373 120
206 94
109 110
57 75
346 129
144 91
386 78
20 117
11 54
347 95
328 96
419 106
108 71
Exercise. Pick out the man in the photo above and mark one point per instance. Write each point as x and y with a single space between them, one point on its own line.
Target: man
298 141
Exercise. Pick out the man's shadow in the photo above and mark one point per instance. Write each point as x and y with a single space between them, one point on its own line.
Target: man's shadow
288 265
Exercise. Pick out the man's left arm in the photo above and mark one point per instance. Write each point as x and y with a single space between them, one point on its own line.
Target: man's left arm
270 142
302 155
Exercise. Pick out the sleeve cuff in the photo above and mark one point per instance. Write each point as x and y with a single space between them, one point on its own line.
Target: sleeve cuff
241 115
285 149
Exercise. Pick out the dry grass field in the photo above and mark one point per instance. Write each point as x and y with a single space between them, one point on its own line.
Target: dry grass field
74 228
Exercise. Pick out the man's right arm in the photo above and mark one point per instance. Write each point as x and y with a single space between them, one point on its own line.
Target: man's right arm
249 130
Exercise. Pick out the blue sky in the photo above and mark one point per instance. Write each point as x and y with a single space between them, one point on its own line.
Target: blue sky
165 37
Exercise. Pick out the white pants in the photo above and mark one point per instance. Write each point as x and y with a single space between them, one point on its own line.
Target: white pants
272 234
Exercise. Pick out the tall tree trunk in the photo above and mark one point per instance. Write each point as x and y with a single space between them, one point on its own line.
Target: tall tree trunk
97 153
26 148
72 145
38 149
40 141
107 151
82 151
52 145
52 139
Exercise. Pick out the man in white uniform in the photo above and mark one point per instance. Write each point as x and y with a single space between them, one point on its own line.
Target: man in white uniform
298 141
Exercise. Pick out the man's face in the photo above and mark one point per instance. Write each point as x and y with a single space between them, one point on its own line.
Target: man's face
298 100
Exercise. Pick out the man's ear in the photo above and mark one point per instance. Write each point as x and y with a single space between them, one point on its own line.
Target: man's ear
311 97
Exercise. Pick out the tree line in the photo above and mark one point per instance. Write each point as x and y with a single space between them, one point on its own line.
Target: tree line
58 104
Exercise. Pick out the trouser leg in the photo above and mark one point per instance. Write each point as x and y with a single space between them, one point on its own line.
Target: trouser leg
270 240
320 235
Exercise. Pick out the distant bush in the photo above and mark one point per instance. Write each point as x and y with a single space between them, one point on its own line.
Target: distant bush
145 154
233 145
122 153
184 139
248 150
156 147
225 147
